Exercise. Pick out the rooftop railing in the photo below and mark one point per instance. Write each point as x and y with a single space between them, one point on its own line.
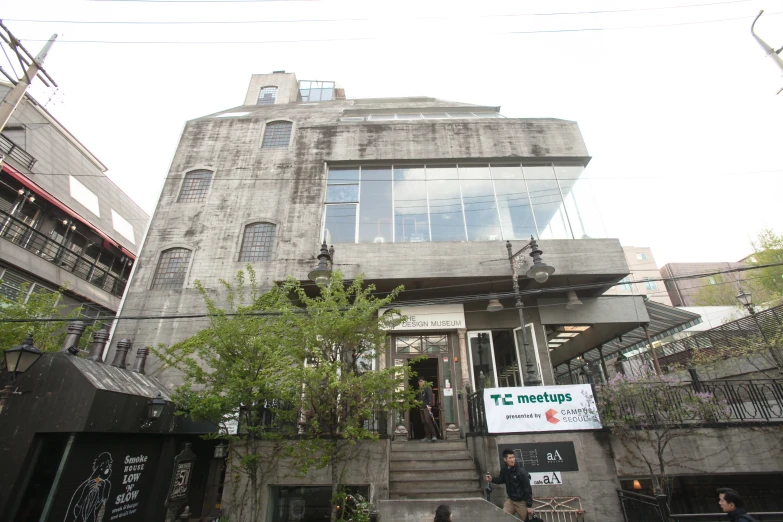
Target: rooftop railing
23 235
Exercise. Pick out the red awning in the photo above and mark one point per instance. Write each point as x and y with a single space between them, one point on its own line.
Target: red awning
27 182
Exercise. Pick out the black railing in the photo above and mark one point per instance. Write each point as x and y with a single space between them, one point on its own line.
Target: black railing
645 508
23 235
735 401
10 149
762 329
477 419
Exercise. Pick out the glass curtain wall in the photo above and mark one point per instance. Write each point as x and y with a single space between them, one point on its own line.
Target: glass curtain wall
470 202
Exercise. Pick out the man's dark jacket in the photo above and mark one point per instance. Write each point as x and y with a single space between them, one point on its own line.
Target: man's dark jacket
517 484
740 515
425 396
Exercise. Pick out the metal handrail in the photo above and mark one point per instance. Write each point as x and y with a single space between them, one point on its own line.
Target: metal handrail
23 235
14 151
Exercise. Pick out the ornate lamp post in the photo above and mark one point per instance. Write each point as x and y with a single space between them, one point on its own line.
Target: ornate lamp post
540 271
322 274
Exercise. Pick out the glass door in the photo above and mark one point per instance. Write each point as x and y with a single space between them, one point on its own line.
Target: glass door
533 346
482 359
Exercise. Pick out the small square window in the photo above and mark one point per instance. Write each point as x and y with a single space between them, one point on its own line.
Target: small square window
195 187
641 256
277 135
267 96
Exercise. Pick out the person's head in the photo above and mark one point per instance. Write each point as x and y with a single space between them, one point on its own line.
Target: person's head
729 500
422 382
443 513
723 491
509 458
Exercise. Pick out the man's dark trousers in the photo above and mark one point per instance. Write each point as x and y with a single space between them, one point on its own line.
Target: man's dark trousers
429 424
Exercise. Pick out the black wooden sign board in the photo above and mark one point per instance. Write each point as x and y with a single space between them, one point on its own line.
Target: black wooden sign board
107 478
180 477
542 456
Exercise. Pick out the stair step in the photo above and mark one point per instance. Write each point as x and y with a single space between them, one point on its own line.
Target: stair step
417 445
429 496
441 486
433 475
429 455
465 463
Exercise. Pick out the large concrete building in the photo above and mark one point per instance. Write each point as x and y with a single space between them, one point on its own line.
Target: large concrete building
62 220
419 192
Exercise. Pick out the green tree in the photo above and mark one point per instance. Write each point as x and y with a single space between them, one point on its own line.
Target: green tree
234 371
768 249
40 304
337 339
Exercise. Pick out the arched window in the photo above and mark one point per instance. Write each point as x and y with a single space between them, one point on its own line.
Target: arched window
277 134
258 242
172 269
196 186
267 96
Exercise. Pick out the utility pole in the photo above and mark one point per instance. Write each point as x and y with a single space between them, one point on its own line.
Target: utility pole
34 66
771 52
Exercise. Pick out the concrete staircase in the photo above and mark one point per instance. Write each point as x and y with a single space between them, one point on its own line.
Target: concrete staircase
427 470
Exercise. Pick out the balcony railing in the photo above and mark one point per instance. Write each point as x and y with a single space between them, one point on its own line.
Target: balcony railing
645 508
10 149
25 236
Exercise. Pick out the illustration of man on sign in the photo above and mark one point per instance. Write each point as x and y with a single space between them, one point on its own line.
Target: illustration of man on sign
91 495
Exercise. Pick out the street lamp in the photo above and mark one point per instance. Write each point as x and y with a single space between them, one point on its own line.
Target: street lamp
221 451
540 271
155 408
321 274
20 358
745 299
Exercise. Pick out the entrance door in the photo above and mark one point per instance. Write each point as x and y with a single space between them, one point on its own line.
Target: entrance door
531 340
429 370
494 358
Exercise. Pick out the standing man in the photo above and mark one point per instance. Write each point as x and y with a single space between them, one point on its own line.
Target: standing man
425 396
517 481
731 504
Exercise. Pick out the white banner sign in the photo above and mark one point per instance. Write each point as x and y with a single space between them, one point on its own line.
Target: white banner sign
548 478
433 317
541 408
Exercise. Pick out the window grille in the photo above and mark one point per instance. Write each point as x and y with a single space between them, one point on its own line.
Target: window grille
277 135
172 268
267 96
195 187
257 243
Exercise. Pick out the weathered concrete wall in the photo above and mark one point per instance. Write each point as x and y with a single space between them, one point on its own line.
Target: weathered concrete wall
286 186
595 483
366 464
710 450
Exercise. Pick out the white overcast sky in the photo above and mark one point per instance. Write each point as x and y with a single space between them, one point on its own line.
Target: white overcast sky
681 119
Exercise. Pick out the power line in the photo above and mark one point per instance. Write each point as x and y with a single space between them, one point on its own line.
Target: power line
368 38
424 302
407 18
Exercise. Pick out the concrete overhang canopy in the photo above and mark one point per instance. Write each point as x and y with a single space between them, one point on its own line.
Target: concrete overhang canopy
610 317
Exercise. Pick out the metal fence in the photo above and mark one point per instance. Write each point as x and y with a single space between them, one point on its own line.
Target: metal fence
10 149
23 235
761 329
645 508
559 509
477 420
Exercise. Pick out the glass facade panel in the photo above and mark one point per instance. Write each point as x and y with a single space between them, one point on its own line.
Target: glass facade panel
481 211
411 221
340 223
375 209
447 221
547 203
516 213
470 202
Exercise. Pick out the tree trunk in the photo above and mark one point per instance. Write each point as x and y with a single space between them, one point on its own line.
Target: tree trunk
335 486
